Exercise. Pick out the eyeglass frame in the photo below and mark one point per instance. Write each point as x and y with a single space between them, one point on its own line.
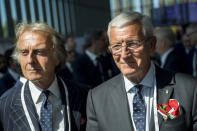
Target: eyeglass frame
191 33
141 42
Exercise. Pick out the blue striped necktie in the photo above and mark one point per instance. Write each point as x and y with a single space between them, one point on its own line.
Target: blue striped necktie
46 113
139 109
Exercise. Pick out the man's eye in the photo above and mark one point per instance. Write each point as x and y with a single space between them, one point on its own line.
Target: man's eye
131 43
24 52
116 47
40 52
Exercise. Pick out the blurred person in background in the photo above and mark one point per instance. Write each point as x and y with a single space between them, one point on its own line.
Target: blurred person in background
171 56
67 71
70 42
12 74
187 45
191 60
92 67
3 65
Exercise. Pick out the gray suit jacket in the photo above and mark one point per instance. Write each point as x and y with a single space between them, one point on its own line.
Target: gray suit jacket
108 109
12 116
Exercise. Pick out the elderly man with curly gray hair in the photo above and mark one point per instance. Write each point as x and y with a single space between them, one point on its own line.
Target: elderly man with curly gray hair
43 101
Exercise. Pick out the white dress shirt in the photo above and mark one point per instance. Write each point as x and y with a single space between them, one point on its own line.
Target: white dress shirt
147 93
92 56
69 66
55 99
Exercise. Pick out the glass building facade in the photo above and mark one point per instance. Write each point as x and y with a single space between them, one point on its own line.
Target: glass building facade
52 12
162 12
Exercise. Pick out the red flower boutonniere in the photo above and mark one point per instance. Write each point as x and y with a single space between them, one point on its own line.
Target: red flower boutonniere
170 110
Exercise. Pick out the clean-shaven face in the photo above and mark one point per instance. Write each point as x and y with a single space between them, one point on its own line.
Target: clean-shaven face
36 57
132 63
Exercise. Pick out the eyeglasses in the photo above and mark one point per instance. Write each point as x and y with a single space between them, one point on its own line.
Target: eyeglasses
191 33
131 45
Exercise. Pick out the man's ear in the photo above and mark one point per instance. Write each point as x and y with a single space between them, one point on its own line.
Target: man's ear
153 41
152 45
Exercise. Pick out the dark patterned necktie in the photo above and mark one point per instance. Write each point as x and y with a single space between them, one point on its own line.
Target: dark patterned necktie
99 66
46 113
139 109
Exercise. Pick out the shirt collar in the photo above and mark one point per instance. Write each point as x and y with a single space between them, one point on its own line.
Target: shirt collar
164 56
69 66
148 80
91 55
22 79
36 91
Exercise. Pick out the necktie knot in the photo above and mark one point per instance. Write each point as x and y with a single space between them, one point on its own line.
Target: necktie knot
46 94
138 88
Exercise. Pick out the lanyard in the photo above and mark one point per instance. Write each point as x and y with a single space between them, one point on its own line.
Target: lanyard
27 112
67 105
155 107
25 107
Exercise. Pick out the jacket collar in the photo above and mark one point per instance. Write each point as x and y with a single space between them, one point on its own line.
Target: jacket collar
165 85
165 81
17 108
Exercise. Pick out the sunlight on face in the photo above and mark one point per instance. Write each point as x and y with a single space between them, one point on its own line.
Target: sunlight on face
36 56
131 63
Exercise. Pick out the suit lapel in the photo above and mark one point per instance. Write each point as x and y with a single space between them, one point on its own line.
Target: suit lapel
17 112
120 105
165 88
63 98
31 107
163 95
74 104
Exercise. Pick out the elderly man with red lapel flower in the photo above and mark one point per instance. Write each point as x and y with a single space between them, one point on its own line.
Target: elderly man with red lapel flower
143 97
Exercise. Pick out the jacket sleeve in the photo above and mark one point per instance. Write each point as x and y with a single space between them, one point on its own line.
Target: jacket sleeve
194 110
92 123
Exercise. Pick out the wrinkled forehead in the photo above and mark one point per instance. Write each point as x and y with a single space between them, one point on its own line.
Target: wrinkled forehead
134 29
34 38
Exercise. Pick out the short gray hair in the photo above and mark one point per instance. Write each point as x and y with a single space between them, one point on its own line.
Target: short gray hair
166 33
127 18
59 50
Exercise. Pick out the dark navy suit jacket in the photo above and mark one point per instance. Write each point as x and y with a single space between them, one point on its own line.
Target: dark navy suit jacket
12 116
175 61
86 72
189 61
6 82
65 73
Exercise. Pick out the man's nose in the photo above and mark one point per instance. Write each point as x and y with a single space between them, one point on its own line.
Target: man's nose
124 51
30 58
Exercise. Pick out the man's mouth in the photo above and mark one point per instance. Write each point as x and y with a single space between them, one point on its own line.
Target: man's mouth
34 70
